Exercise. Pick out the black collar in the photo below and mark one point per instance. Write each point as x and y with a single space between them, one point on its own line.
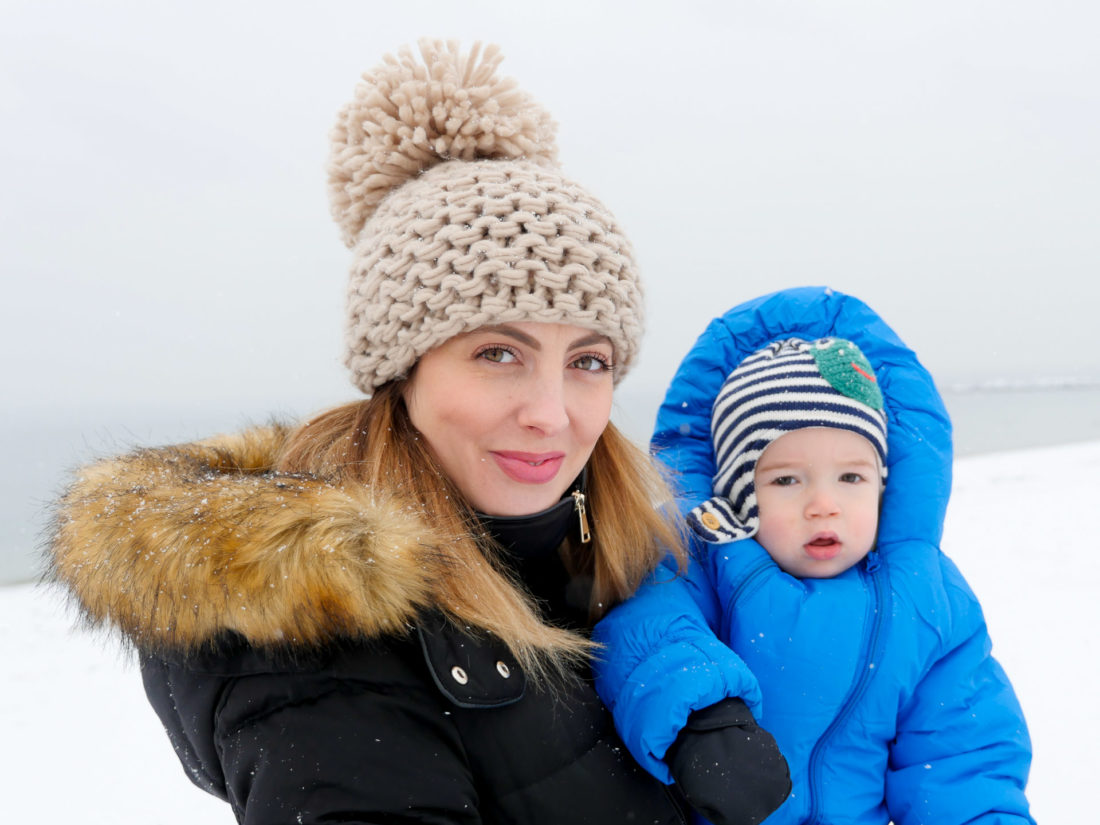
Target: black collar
535 536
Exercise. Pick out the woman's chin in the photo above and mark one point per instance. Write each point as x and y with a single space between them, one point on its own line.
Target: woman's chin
525 501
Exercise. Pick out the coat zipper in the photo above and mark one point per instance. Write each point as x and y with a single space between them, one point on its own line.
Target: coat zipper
751 576
582 514
880 606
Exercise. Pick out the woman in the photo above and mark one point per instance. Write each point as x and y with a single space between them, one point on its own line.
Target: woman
382 615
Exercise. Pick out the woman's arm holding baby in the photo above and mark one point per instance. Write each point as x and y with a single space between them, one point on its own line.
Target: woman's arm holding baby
662 661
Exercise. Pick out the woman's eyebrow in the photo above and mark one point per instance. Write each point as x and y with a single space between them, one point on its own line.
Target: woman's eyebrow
589 340
511 332
524 338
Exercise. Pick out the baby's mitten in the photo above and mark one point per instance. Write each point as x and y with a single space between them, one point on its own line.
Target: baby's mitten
728 767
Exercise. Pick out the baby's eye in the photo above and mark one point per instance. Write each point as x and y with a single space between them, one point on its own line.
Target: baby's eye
851 478
784 481
497 355
590 362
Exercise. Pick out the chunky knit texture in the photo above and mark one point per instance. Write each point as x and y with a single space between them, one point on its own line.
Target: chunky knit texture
444 182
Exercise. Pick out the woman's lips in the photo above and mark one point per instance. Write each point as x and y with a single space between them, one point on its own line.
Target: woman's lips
529 468
823 546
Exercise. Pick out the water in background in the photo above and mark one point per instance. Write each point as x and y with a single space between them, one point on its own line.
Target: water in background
41 450
985 420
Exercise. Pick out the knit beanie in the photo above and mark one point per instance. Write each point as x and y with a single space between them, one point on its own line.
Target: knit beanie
444 181
788 385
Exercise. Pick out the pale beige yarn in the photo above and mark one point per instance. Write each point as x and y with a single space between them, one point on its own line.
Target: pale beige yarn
444 182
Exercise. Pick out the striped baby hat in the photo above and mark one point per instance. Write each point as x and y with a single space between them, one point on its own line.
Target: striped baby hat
787 385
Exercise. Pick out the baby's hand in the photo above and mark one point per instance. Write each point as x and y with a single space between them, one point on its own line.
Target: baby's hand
728 767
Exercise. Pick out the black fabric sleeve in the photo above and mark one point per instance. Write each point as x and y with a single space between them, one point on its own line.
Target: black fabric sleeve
346 753
727 767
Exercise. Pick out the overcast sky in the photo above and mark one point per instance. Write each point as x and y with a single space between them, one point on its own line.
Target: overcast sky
167 237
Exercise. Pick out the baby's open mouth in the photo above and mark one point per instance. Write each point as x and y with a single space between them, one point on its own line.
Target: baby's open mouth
823 547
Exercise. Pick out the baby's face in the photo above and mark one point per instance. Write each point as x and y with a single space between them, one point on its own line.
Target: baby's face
818 493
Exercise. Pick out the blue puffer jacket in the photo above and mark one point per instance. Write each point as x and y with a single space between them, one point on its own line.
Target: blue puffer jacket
878 685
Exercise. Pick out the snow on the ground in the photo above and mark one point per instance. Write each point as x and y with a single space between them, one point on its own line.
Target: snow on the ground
80 744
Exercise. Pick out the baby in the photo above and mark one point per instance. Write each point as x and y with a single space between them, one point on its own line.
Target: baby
858 646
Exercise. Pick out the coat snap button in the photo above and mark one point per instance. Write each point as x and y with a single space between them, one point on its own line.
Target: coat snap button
503 670
459 675
710 521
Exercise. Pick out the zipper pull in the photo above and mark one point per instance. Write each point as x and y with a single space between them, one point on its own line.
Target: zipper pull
582 514
872 561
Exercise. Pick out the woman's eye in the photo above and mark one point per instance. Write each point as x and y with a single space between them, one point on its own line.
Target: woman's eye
497 355
591 363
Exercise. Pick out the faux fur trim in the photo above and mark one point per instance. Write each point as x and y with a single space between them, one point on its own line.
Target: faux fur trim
173 546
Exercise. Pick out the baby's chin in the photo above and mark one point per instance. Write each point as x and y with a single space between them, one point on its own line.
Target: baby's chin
818 564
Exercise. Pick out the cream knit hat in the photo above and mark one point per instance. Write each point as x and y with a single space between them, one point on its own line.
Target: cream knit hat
443 179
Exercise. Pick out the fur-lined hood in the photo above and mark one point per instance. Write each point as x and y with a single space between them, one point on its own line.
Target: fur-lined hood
174 546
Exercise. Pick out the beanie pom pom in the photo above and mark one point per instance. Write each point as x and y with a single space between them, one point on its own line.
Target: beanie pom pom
408 116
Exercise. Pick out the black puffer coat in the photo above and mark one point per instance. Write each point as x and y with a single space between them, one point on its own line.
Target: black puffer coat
297 670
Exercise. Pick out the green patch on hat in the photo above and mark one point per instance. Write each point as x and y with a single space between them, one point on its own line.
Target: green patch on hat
846 368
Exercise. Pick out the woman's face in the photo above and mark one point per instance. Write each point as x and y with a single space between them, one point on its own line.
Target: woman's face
512 412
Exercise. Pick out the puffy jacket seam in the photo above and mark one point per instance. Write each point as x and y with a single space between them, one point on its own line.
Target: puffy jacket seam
339 687
184 739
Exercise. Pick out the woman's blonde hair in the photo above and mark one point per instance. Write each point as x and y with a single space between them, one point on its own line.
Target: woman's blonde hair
373 442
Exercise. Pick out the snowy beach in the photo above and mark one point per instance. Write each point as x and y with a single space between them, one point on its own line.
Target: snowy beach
81 744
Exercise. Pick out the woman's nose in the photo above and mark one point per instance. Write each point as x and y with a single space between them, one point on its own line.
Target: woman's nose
542 406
